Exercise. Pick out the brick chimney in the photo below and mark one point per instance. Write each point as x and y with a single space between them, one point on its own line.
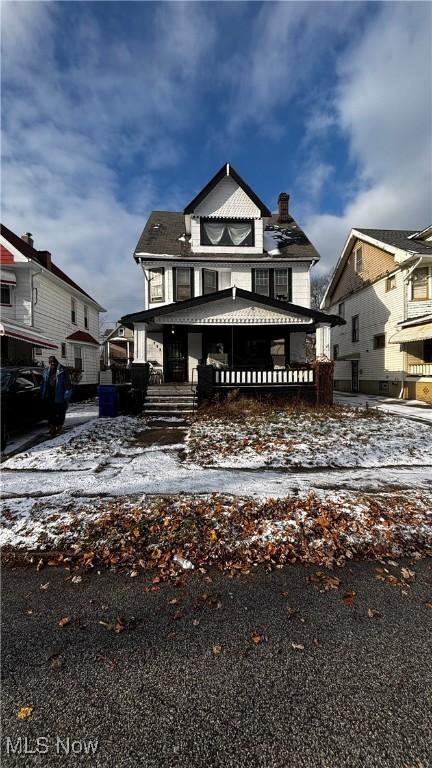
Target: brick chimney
283 201
28 238
45 259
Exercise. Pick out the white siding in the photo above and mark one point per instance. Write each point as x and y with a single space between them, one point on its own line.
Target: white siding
227 199
52 315
419 308
155 347
379 312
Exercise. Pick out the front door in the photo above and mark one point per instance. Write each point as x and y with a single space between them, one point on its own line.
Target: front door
175 359
354 375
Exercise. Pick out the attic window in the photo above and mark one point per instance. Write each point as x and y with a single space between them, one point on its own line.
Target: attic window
231 233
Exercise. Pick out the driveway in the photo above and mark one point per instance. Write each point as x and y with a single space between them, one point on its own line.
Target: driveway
262 671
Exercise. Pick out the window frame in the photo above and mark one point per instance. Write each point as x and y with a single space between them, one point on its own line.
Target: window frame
63 350
355 328
160 271
80 357
377 344
206 272
358 259
86 317
288 283
6 286
204 240
390 283
73 311
176 285
271 281
424 282
341 313
335 351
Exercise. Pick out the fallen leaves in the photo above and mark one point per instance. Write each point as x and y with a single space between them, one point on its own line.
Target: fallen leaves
65 621
257 638
373 613
297 646
217 649
117 626
24 712
323 582
349 599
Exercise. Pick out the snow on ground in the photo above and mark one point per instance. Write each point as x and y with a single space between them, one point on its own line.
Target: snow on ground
417 410
310 438
104 463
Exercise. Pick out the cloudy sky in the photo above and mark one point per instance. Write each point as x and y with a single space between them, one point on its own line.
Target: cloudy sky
113 109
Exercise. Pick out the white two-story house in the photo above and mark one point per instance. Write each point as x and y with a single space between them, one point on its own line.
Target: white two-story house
44 312
382 286
226 283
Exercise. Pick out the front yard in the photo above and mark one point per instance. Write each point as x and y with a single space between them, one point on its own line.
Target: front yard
250 484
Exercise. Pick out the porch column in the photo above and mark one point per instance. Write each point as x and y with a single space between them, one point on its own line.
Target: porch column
140 342
108 354
323 341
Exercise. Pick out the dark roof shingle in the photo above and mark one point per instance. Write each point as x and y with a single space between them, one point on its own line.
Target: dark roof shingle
399 238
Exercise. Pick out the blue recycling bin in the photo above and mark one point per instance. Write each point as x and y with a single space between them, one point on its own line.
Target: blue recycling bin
108 401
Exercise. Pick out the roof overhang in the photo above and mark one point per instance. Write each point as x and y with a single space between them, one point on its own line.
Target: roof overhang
26 334
233 306
226 170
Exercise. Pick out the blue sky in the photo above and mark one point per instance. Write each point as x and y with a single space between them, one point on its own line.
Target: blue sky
113 109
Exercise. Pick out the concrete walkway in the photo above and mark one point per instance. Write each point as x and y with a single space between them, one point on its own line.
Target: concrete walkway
415 410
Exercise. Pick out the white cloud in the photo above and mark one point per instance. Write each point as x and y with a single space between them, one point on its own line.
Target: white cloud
383 104
71 123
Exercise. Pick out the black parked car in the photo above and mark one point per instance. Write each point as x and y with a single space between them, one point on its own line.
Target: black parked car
20 399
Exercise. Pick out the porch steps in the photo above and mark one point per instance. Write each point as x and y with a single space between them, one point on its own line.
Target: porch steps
164 400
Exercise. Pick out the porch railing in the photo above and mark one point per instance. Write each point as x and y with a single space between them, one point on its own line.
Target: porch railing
232 377
420 369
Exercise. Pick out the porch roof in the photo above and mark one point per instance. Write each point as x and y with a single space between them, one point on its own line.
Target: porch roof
312 317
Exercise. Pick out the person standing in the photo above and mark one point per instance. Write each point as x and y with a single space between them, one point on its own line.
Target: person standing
56 392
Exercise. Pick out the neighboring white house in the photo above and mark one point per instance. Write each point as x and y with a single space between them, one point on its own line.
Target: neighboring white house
226 282
382 286
44 312
118 346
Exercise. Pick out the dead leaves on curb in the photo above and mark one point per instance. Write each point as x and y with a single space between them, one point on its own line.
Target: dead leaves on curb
24 713
323 582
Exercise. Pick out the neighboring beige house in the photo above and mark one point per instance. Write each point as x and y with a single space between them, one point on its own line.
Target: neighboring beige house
227 283
118 346
382 286
44 312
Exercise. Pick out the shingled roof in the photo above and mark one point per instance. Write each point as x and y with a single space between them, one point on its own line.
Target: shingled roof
399 238
164 235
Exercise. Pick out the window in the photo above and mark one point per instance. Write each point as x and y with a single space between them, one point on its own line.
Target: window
183 283
420 287
383 387
121 331
355 330
78 360
6 298
261 282
390 283
210 281
358 259
275 283
73 312
427 350
86 324
156 285
341 311
38 351
63 350
335 351
379 341
281 284
232 233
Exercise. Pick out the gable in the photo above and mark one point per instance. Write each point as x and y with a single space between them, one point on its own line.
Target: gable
227 200
376 264
227 170
238 312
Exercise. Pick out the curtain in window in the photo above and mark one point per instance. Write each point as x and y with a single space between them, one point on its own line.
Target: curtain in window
239 232
214 231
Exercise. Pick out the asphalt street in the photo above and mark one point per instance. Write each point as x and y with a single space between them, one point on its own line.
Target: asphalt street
183 684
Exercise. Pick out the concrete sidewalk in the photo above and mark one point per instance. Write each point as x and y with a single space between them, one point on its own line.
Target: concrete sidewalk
416 410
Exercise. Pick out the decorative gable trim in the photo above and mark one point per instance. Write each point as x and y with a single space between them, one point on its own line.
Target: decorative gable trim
226 170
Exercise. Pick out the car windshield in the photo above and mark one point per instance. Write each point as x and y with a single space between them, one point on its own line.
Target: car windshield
5 377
